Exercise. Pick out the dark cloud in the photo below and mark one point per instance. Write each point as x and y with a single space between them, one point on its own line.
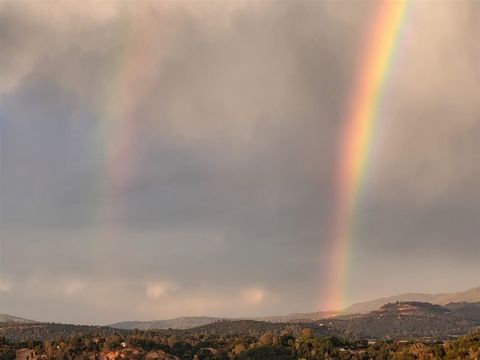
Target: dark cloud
227 193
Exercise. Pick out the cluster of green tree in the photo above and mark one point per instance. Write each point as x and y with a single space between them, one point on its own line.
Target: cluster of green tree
255 328
52 331
197 345
7 350
48 331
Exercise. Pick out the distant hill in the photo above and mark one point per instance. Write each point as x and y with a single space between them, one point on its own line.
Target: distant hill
470 311
403 320
300 317
470 296
400 320
187 322
190 322
4 318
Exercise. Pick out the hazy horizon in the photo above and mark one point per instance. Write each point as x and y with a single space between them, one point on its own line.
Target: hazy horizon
259 317
161 159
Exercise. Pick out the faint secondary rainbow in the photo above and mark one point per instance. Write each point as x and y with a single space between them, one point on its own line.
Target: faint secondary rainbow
356 139
131 77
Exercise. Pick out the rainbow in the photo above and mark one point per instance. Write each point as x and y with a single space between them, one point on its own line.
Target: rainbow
356 139
130 80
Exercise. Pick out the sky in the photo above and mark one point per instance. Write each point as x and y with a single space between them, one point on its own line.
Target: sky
162 159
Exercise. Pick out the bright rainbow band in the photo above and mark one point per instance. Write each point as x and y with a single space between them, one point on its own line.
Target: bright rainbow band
356 140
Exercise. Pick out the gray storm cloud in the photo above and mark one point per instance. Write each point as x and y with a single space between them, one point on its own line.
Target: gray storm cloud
227 210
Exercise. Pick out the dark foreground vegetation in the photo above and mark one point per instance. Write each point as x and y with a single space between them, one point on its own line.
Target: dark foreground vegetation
198 345
398 331
397 321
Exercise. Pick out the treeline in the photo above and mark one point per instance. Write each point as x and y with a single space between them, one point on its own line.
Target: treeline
397 321
199 345
47 331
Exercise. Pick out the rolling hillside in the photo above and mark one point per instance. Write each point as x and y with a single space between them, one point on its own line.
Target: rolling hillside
467 310
190 322
300 317
4 318
187 322
402 320
469 296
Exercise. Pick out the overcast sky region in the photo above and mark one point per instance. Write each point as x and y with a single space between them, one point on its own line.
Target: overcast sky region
171 158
